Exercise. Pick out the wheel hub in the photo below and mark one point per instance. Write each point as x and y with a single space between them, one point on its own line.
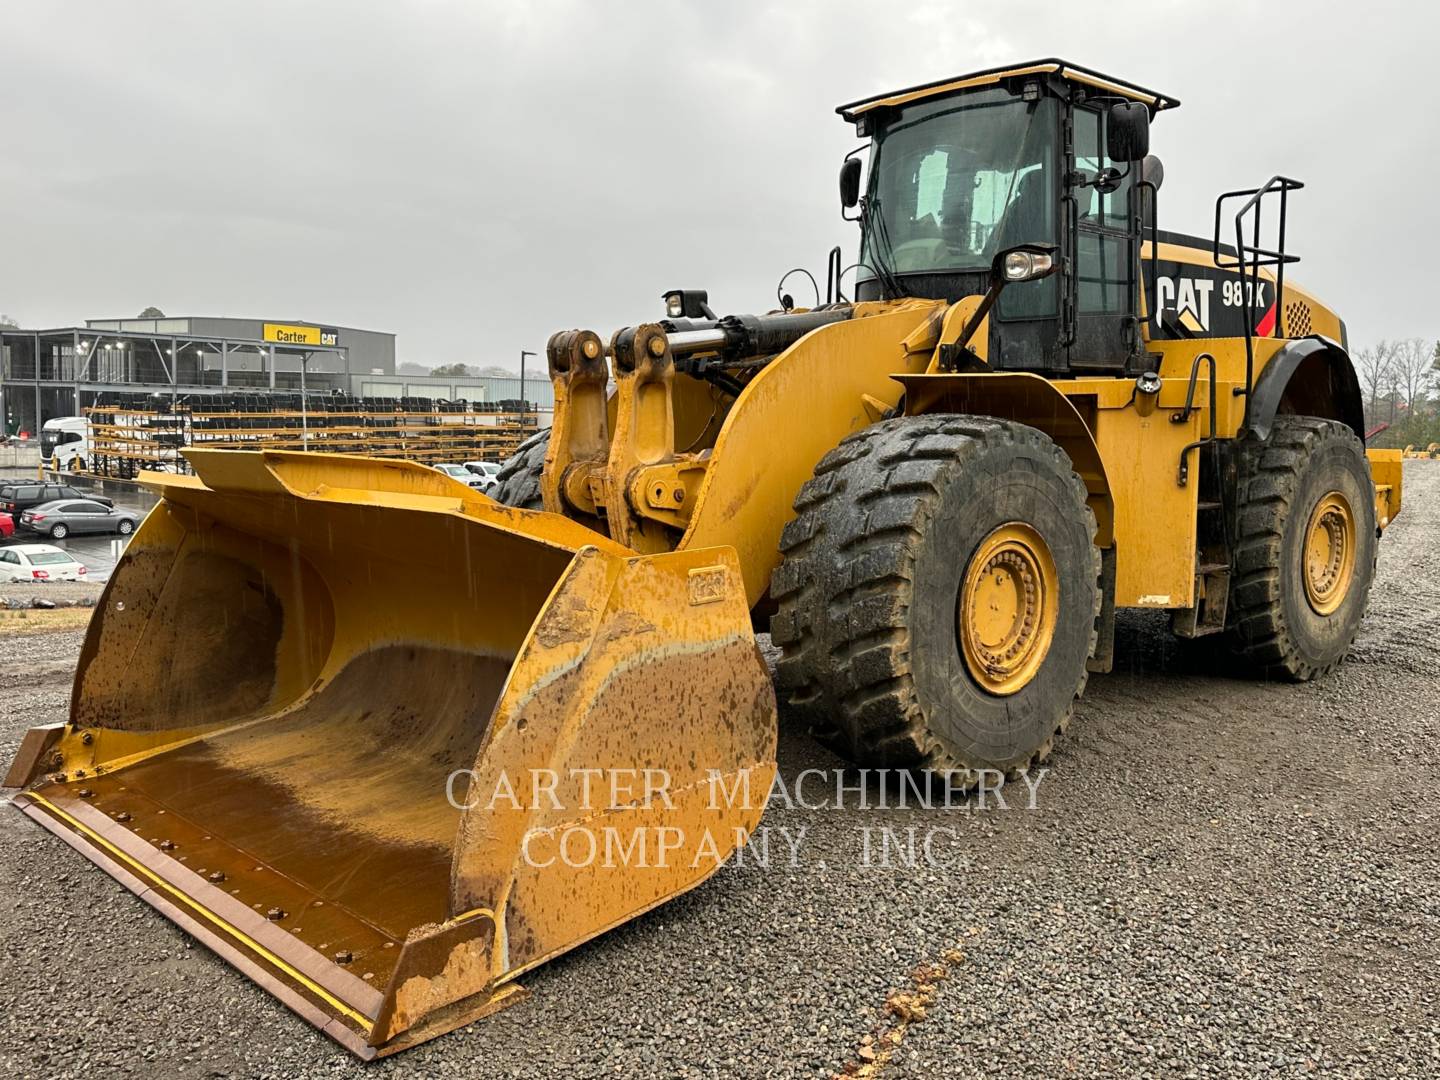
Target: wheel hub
1006 614
1329 554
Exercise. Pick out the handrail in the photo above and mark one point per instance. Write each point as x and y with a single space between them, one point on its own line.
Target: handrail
1249 258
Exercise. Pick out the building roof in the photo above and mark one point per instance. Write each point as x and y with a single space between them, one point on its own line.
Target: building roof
1052 66
91 323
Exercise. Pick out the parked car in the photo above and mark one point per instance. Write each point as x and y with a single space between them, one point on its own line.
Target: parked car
62 517
464 475
18 496
488 471
7 526
39 562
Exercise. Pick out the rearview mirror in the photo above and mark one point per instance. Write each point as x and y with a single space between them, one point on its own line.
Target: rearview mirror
849 183
1128 131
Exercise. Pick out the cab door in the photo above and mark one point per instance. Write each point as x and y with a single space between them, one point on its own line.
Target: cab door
1103 243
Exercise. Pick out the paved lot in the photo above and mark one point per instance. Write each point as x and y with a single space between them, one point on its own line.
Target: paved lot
96 552
1220 877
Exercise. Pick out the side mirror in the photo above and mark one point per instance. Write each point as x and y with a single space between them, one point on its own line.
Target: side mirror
1025 262
1128 131
849 183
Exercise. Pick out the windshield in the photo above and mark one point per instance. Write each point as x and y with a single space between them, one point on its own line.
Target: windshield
953 182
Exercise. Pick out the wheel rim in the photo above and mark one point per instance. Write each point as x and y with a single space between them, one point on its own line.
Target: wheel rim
1329 555
1008 605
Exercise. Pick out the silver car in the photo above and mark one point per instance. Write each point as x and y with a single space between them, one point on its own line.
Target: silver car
66 517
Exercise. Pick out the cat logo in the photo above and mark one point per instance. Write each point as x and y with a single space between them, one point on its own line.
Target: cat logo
1190 299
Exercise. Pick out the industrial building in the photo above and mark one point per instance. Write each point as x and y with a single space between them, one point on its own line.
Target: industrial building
66 371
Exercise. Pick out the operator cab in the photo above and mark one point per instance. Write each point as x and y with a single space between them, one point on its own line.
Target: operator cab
1047 153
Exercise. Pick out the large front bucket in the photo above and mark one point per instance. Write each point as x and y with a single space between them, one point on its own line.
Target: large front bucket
384 744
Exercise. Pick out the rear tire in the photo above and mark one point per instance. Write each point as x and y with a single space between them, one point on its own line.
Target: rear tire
125 528
59 532
1305 547
519 478
875 595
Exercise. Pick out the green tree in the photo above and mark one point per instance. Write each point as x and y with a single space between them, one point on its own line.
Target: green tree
151 313
451 369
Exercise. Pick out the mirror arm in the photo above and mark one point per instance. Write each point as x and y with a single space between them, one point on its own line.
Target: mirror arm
986 303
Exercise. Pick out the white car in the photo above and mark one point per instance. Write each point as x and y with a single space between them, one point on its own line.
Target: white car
39 562
464 475
487 471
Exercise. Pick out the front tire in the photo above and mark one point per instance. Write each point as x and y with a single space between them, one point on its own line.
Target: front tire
125 528
1305 546
937 595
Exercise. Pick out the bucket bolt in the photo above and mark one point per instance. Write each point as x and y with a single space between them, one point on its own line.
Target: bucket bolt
275 914
344 956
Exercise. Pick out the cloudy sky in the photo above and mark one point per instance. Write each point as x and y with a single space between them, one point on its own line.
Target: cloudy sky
474 175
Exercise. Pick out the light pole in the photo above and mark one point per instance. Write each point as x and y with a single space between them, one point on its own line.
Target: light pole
304 410
524 405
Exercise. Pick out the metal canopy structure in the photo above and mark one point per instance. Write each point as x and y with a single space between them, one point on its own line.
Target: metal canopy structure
59 372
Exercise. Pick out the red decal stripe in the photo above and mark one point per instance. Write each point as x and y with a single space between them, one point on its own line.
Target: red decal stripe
1266 325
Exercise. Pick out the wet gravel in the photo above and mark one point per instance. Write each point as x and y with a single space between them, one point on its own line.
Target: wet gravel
1220 877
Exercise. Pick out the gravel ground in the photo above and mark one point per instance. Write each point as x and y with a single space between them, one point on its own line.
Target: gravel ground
1220 877
51 590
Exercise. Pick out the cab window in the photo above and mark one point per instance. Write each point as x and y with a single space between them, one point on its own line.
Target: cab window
1104 256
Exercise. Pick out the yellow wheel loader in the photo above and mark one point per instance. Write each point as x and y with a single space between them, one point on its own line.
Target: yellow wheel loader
386 744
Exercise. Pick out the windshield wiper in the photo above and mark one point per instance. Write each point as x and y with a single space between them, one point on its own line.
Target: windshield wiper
883 251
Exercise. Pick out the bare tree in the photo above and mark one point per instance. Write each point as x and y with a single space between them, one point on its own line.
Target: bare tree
1376 368
7 323
1412 369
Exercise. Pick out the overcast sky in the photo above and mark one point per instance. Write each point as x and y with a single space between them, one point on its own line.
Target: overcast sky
473 176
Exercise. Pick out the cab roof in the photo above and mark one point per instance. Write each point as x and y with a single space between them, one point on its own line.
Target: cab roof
1062 69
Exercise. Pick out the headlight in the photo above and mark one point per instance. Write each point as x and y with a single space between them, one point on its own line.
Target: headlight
1027 265
674 305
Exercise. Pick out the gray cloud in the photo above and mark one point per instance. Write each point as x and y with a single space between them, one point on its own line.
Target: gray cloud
473 176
